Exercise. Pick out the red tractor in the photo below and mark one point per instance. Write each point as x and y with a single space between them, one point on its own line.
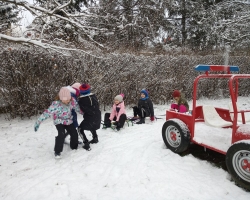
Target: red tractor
226 131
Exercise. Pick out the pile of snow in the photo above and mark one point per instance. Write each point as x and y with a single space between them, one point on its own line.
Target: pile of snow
130 164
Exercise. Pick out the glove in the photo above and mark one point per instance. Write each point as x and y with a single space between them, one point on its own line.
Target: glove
36 127
152 118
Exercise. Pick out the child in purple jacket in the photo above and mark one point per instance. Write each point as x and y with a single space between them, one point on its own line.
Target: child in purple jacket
60 110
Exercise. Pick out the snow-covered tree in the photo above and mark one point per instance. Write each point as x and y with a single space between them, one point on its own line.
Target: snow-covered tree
209 23
66 24
131 23
233 25
187 21
8 15
55 24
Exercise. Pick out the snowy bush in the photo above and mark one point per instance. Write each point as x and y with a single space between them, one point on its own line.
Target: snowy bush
31 77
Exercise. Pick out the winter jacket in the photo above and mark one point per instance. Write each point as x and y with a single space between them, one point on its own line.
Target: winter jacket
60 112
117 110
92 115
182 105
147 106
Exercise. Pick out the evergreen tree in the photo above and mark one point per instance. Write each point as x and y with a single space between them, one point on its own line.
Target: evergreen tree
131 23
192 22
8 15
233 23
203 24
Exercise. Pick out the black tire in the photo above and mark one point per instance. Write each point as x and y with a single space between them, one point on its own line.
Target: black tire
238 163
176 135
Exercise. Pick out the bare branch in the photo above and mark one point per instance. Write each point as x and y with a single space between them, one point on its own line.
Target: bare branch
46 46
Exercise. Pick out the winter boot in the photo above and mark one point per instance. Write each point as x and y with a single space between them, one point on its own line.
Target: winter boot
106 125
94 140
57 155
86 146
118 126
142 121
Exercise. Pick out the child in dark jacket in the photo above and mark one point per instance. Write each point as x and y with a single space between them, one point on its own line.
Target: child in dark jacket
62 117
118 113
92 115
145 108
181 104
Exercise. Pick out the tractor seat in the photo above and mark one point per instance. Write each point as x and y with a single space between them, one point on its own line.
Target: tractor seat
212 118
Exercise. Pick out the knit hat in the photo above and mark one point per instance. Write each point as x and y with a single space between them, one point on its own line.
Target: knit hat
76 85
176 93
64 94
145 92
71 89
119 97
84 89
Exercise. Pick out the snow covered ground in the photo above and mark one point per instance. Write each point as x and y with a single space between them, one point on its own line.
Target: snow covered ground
131 164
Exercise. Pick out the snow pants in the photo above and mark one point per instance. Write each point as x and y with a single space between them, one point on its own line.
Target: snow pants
83 135
142 113
121 121
59 140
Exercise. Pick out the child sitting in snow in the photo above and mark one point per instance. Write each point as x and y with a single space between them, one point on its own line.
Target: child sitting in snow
62 117
181 104
118 113
145 108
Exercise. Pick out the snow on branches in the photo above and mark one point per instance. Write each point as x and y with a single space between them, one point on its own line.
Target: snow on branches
54 20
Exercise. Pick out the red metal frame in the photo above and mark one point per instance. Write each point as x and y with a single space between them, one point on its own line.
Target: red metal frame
197 113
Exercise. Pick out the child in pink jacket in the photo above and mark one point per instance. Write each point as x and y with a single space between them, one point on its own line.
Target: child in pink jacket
118 113
181 104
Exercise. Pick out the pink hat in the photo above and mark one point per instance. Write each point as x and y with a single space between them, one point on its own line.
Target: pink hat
76 85
64 94
71 89
122 95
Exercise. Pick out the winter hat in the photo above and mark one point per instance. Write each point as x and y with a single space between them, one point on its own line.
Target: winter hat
64 94
119 97
77 92
71 89
176 93
84 89
76 85
145 92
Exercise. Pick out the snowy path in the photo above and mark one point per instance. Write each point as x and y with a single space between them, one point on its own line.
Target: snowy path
131 164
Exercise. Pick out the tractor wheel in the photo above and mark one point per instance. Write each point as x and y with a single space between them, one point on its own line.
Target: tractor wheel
176 135
238 163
